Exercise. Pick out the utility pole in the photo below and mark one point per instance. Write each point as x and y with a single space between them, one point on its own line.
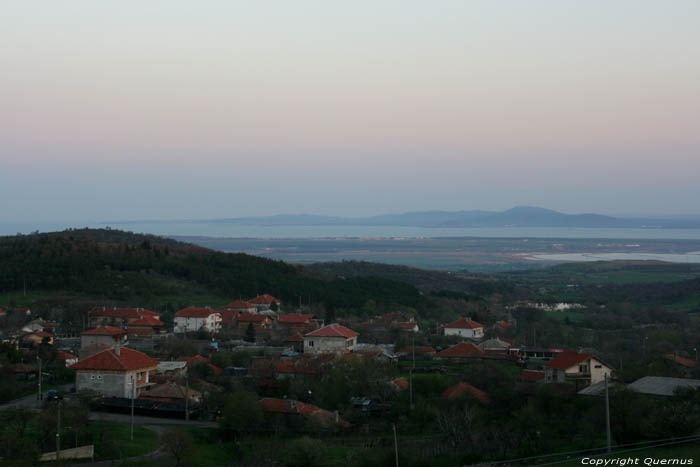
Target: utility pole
58 430
396 445
410 388
187 398
607 413
39 395
133 396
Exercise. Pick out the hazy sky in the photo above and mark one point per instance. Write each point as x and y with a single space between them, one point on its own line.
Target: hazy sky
196 109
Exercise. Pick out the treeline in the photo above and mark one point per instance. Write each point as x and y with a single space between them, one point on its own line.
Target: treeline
120 265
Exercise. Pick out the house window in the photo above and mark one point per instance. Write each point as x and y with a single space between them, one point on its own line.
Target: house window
583 368
599 366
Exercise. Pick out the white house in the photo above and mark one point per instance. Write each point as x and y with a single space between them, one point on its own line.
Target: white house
464 327
193 319
108 336
119 372
576 368
331 338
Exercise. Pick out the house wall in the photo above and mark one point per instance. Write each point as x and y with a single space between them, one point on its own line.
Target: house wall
106 340
328 344
112 383
211 323
471 333
598 371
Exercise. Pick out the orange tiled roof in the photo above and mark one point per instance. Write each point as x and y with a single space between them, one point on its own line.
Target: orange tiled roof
104 331
333 330
461 350
464 323
127 359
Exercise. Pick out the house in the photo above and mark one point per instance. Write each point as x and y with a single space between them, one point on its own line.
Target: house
464 327
191 362
580 369
296 341
119 372
241 306
36 338
258 321
331 338
296 409
145 327
461 389
463 350
495 346
67 358
117 316
192 319
399 384
171 392
265 302
176 369
682 361
103 335
295 321
661 386
405 326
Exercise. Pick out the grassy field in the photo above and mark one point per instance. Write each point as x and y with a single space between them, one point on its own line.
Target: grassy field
112 441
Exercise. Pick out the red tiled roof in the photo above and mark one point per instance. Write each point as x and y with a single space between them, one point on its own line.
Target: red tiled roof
265 299
294 338
250 318
63 356
567 359
104 331
286 406
686 362
318 415
530 376
197 359
195 312
127 359
149 321
461 350
227 316
458 390
464 323
239 305
333 330
400 383
503 324
404 325
294 319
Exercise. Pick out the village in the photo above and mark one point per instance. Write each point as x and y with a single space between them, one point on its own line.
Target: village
307 373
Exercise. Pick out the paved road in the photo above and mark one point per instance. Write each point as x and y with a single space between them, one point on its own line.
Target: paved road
31 402
152 422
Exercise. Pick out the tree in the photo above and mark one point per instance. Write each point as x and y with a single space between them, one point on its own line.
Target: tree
178 443
274 306
250 333
241 413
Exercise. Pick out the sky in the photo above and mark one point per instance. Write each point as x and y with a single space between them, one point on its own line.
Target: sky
180 109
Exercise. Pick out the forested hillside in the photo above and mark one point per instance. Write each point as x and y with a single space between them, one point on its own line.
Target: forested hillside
124 266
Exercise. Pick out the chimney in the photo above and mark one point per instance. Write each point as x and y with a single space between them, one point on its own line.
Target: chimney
117 349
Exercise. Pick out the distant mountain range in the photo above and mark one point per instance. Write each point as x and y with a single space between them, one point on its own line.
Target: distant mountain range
519 216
